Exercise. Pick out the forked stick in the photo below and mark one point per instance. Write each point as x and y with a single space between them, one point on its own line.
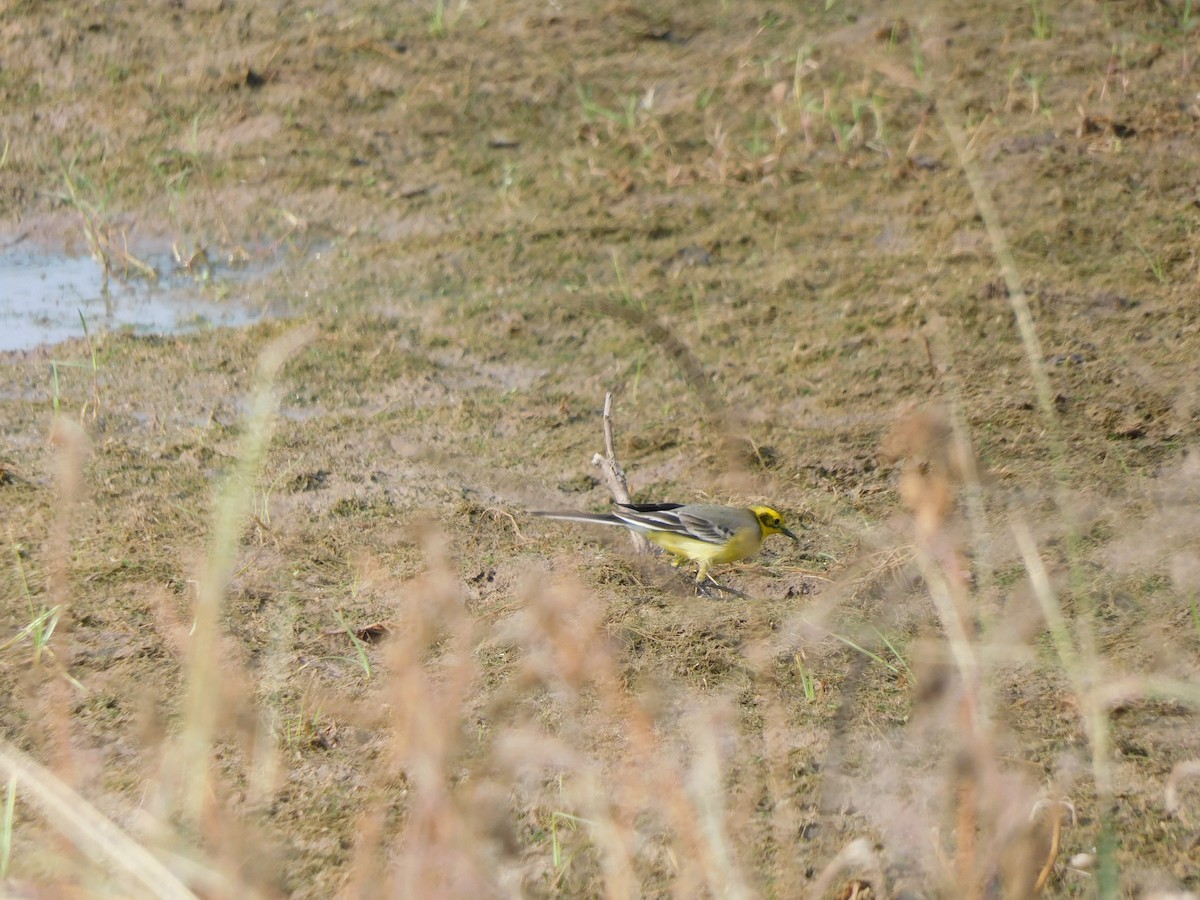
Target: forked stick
612 473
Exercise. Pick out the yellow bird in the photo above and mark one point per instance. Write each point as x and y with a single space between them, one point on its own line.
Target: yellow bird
704 533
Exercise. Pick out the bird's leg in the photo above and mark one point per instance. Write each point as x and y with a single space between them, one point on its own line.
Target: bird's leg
704 581
704 586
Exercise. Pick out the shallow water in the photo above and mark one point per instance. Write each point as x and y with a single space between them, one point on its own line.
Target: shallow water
45 298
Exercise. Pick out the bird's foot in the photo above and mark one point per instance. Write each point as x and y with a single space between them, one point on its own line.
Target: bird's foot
705 589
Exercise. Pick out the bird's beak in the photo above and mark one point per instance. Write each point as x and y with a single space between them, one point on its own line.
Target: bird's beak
788 532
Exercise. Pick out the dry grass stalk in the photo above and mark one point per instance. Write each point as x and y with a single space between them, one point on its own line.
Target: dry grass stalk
1181 771
192 767
857 858
72 444
428 696
91 832
715 411
933 472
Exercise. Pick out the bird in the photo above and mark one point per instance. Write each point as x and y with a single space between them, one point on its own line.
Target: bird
707 534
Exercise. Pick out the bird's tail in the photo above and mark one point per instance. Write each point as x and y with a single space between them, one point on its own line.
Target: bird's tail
650 507
572 516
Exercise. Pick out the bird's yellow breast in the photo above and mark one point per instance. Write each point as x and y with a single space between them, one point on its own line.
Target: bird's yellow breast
744 543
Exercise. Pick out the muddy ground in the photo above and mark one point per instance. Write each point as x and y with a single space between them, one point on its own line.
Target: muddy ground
749 221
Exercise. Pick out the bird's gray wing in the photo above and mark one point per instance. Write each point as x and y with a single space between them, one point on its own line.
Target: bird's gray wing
678 520
712 529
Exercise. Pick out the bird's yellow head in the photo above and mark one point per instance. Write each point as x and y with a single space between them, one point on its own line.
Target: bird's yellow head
771 522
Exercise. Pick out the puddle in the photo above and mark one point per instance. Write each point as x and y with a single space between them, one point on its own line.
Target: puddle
43 295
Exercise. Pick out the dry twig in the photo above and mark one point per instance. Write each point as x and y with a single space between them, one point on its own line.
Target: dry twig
612 473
